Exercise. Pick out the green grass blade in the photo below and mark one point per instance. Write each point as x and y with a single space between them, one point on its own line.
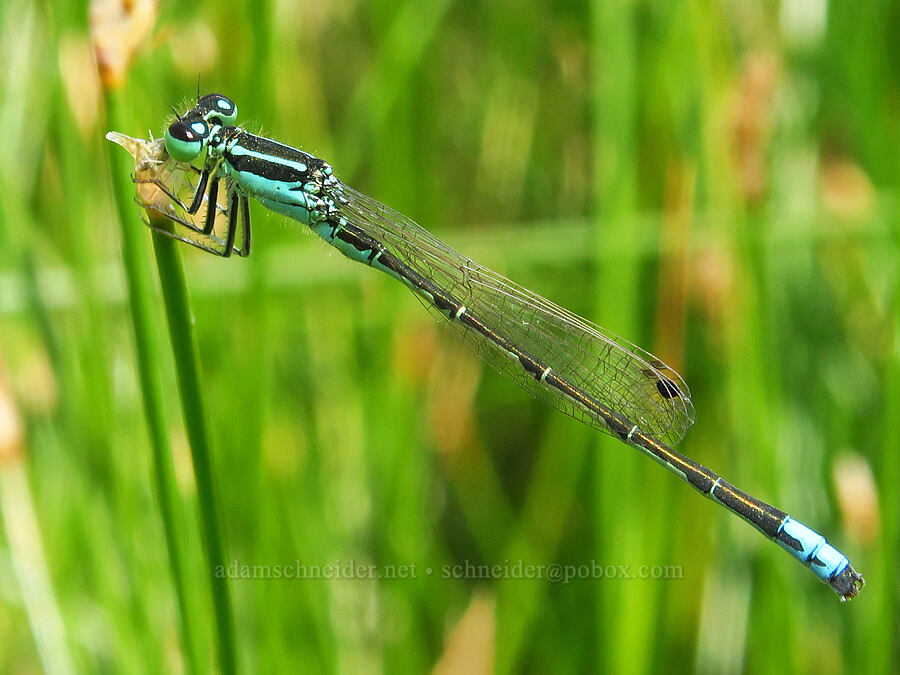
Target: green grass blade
178 314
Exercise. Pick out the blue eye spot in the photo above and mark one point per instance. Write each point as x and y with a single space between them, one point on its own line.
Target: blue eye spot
217 109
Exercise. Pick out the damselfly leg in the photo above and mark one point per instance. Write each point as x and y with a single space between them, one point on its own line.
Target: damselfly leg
237 215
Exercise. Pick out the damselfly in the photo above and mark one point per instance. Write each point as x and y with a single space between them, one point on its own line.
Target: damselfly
574 365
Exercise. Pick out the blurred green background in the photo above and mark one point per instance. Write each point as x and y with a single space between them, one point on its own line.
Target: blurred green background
715 181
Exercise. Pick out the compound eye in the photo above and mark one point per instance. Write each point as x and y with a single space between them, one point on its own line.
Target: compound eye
218 107
185 140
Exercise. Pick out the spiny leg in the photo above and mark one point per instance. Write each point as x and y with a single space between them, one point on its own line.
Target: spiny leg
207 240
199 190
238 208
211 204
233 204
245 214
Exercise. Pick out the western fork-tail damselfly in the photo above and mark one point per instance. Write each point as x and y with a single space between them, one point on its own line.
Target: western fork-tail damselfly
569 362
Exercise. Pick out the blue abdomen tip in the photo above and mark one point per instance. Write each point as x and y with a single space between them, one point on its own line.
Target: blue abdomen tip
811 548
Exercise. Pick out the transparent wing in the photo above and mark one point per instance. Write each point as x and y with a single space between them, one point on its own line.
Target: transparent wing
622 376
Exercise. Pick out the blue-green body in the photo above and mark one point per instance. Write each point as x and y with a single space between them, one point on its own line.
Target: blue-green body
247 159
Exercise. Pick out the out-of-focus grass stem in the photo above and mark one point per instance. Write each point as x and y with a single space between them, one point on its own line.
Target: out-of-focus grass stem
181 335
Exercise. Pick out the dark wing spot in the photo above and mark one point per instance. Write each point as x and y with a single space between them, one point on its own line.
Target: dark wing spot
667 388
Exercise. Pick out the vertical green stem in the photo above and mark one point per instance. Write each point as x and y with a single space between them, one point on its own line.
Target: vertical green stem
175 297
146 339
